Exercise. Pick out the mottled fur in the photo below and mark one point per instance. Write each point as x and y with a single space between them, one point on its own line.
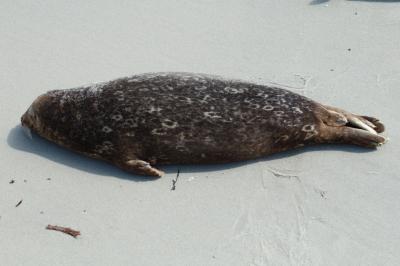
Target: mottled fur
165 118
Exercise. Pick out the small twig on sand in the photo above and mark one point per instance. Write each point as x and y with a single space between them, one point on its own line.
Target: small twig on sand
19 203
175 180
64 230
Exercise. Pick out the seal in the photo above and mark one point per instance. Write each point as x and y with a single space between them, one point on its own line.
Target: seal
184 118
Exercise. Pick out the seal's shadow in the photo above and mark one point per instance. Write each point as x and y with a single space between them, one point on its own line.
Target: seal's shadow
321 148
17 139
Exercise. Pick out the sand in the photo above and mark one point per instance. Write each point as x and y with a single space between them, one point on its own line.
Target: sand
325 205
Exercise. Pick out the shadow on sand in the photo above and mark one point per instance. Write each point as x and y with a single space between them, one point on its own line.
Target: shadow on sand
17 139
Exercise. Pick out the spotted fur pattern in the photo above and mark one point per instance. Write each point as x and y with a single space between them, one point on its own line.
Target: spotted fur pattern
177 118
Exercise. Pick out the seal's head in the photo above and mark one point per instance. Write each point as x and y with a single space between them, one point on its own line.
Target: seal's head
64 117
32 118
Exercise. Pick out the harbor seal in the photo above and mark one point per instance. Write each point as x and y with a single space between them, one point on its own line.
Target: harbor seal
184 118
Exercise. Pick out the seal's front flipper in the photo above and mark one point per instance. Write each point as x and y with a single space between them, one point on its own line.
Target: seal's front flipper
141 168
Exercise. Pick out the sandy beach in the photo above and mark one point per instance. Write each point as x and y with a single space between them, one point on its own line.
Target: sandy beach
321 205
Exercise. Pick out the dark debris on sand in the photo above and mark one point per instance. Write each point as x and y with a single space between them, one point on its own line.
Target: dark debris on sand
65 230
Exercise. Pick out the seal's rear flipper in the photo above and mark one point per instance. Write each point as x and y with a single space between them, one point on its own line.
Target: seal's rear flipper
141 168
361 137
350 135
352 129
379 127
368 123
340 126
